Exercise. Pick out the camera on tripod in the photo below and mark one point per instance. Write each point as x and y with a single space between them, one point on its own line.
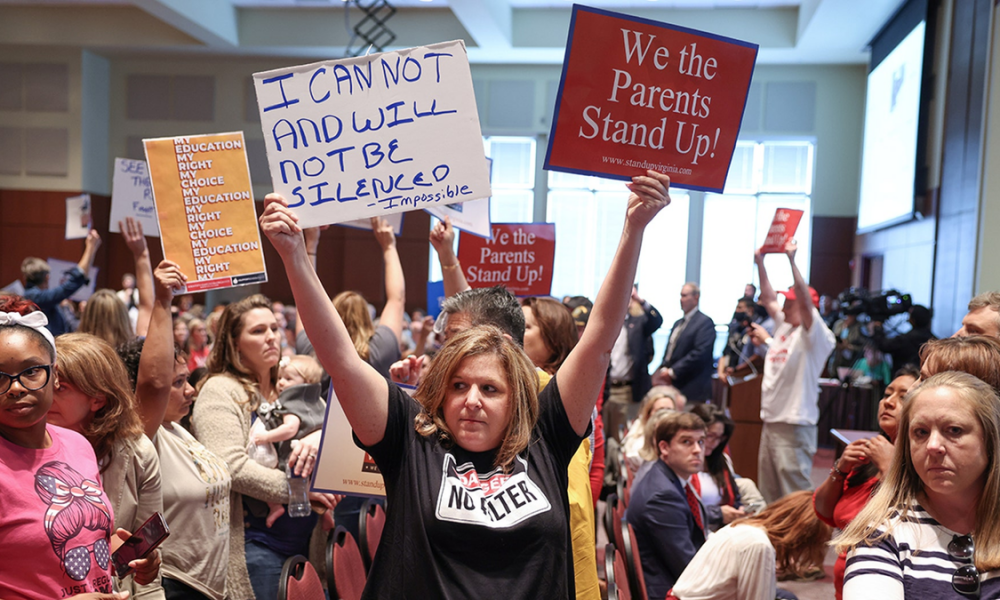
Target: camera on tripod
858 301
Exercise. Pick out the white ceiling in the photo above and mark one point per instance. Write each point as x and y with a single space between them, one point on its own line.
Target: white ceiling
495 31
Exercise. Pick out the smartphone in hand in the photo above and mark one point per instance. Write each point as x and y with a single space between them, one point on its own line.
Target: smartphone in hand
140 544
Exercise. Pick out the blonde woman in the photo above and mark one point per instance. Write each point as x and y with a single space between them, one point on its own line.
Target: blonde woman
933 528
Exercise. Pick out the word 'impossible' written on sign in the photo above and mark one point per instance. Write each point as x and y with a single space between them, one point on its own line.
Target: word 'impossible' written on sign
637 94
360 137
204 204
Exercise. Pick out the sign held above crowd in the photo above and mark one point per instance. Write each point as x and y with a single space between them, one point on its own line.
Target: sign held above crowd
131 196
362 137
205 210
783 226
518 256
638 94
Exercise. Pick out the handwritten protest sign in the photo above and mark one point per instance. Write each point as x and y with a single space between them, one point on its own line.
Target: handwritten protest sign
396 220
131 196
783 226
204 203
59 271
77 217
519 256
367 136
342 467
637 94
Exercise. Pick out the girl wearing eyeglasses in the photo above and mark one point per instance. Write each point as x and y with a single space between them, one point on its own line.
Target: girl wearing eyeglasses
55 519
933 530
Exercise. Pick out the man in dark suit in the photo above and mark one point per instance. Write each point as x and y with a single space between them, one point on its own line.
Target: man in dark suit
687 362
665 510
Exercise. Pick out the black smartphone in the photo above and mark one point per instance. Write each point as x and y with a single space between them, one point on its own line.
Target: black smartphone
140 544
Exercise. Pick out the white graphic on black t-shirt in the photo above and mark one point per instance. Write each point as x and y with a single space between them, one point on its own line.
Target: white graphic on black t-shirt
496 500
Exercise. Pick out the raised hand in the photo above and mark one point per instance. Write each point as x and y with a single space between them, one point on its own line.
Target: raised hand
280 225
650 194
384 234
169 280
791 246
443 235
131 230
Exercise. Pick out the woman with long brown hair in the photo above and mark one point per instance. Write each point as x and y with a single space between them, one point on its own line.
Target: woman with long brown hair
242 373
742 560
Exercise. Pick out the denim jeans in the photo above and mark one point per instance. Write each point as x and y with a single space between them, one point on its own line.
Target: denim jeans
264 566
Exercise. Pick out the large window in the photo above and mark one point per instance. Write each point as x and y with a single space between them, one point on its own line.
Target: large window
764 176
589 214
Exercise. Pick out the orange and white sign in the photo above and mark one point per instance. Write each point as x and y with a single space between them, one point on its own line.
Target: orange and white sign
204 204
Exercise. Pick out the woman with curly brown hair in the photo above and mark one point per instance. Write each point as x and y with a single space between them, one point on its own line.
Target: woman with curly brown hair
742 560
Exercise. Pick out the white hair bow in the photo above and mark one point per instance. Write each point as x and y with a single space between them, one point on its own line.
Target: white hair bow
35 320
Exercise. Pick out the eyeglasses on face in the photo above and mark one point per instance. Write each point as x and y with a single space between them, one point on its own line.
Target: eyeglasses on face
31 379
965 579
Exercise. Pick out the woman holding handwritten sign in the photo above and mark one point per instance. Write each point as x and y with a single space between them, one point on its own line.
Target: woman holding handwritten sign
475 469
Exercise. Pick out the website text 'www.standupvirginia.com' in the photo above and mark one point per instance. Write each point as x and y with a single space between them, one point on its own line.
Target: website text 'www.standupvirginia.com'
641 164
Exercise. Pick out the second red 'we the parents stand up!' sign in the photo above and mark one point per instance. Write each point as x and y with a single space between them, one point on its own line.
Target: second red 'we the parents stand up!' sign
519 256
637 94
783 226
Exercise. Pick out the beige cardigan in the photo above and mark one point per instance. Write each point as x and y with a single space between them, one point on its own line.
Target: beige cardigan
132 483
221 421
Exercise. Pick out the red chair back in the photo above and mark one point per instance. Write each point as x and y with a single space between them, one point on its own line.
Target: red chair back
299 580
346 574
619 516
621 575
370 530
611 503
633 563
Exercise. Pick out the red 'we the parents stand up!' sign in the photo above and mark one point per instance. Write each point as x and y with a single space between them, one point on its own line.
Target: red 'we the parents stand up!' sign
518 256
637 94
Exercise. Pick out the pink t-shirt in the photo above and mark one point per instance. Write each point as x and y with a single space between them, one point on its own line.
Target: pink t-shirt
55 520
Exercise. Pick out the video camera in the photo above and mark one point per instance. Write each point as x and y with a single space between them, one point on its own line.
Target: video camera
858 301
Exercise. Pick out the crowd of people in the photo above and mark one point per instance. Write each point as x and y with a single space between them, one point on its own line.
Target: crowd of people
498 428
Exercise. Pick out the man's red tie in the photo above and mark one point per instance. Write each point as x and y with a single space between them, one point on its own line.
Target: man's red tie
695 507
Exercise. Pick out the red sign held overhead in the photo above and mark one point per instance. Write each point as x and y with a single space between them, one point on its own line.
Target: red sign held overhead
519 256
637 94
786 221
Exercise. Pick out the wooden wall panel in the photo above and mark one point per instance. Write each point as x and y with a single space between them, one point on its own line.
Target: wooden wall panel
832 250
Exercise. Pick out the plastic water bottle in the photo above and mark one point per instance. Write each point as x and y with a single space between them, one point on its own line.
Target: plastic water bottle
298 496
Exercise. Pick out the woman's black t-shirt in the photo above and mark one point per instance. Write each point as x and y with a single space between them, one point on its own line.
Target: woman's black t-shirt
456 527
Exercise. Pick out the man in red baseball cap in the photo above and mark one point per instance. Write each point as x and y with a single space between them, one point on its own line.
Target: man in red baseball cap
790 386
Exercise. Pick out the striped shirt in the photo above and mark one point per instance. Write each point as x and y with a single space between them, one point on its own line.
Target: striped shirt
911 562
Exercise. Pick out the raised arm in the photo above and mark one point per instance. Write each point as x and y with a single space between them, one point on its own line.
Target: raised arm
363 393
136 242
156 365
395 283
768 298
311 236
90 246
581 375
443 241
804 304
